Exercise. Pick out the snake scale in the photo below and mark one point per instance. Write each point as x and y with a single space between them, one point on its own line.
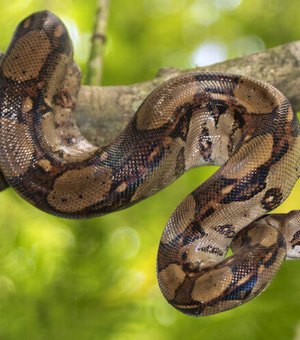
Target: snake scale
244 125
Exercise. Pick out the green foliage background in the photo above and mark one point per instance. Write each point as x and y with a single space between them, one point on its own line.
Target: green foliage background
95 279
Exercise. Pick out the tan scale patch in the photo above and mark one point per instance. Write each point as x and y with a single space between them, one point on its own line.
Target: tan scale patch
244 279
276 220
282 174
212 284
192 152
59 30
270 199
18 149
73 144
290 114
219 96
265 275
122 187
160 107
267 257
221 139
27 105
265 236
27 23
171 278
249 157
245 212
53 143
78 189
183 216
36 47
50 141
162 176
103 156
45 164
247 137
256 98
193 155
289 226
218 136
57 77
227 189
224 305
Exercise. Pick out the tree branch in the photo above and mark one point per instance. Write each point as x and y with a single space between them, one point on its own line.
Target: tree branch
108 109
95 64
102 112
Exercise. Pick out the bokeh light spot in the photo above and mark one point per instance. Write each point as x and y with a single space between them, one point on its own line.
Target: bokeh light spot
203 12
164 313
126 242
7 287
247 45
209 52
227 4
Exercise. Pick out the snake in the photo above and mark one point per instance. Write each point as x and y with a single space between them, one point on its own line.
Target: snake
245 126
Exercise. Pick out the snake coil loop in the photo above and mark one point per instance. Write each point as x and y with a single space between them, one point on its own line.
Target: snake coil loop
244 125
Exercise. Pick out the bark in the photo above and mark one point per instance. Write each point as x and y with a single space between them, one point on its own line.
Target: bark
103 112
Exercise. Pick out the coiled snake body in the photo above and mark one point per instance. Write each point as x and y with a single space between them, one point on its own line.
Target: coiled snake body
246 126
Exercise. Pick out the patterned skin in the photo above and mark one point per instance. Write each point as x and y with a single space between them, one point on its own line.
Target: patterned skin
246 126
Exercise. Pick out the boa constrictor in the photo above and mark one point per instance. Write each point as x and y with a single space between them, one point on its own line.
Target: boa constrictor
244 125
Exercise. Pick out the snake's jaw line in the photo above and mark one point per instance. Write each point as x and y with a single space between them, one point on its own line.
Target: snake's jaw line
199 118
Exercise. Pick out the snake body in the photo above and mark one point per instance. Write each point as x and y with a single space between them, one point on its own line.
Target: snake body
244 125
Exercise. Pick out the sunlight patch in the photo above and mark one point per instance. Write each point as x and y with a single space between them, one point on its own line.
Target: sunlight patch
126 242
247 45
228 5
210 52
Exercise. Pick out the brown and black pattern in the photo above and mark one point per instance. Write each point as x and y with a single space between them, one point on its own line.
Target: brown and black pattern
227 230
246 126
272 199
205 144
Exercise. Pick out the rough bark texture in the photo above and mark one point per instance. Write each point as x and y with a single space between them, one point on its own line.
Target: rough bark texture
108 109
102 112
